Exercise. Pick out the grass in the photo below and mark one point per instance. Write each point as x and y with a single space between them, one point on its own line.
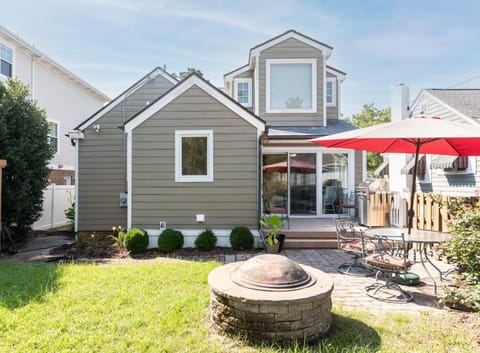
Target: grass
163 307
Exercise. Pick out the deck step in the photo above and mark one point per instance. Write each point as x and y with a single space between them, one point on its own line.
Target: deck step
299 234
299 243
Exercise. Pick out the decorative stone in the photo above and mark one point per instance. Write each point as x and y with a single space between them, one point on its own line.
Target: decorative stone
298 309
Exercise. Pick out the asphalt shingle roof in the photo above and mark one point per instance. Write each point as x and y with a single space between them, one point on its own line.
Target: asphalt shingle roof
466 101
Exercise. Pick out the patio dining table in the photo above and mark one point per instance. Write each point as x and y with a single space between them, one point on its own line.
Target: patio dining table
422 237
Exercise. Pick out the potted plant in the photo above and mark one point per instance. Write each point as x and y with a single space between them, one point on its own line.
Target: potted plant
272 224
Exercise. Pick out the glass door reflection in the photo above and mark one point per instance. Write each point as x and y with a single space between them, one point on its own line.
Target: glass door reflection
303 184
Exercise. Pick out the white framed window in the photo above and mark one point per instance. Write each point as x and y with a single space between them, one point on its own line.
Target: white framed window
243 91
194 155
331 91
53 135
291 85
67 180
6 61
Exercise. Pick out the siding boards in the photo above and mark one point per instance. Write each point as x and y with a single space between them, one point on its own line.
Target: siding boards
452 183
230 200
102 161
332 111
291 49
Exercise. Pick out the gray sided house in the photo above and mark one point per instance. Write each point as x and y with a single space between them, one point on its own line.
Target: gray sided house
192 163
101 149
446 174
188 156
288 83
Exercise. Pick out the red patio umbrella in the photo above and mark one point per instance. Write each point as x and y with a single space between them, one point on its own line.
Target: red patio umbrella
419 135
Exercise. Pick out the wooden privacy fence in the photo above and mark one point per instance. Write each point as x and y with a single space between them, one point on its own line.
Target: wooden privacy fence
431 211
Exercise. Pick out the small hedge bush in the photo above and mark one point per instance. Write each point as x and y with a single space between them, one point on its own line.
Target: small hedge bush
206 241
170 240
241 238
136 240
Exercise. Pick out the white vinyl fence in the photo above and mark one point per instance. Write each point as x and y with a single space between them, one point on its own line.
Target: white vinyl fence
56 199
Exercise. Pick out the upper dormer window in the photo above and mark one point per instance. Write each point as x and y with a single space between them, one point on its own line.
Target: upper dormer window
243 91
6 60
331 90
291 85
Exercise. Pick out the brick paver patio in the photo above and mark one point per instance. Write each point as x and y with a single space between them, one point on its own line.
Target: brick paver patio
349 290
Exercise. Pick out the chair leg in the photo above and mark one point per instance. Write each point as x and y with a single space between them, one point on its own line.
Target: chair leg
358 268
388 291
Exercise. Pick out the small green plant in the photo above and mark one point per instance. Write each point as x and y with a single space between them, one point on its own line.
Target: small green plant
170 240
273 224
136 241
294 102
70 215
118 235
94 240
241 238
206 241
463 298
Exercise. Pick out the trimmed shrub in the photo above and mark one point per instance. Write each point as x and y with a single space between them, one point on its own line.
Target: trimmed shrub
206 241
136 240
241 238
170 240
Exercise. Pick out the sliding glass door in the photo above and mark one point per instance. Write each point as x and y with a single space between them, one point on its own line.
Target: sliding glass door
305 184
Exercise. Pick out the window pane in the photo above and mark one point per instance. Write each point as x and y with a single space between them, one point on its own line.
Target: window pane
6 69
290 86
329 92
242 92
335 181
194 155
52 129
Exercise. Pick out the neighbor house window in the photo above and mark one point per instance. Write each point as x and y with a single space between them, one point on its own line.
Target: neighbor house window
243 91
331 90
6 60
53 135
291 86
194 155
67 180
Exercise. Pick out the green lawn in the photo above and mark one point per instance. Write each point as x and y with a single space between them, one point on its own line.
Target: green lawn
163 307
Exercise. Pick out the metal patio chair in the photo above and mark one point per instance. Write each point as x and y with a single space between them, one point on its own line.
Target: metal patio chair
389 259
350 241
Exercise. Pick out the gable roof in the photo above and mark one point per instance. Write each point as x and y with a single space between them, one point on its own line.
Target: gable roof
466 101
181 87
291 33
113 103
50 63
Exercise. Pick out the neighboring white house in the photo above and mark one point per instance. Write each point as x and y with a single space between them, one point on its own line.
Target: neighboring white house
66 98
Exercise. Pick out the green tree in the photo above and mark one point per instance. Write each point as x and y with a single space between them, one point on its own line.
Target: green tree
190 70
370 116
24 144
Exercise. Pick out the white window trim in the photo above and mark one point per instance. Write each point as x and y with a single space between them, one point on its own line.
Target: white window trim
471 169
58 135
178 156
312 62
236 81
333 80
4 78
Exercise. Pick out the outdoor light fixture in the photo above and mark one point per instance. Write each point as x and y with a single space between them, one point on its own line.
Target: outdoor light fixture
96 127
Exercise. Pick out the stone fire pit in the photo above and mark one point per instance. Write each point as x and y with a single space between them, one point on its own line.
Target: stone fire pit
271 298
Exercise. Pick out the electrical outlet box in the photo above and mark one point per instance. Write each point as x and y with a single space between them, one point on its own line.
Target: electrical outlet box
123 199
163 226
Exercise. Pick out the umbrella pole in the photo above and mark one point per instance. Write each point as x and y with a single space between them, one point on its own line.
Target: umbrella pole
411 212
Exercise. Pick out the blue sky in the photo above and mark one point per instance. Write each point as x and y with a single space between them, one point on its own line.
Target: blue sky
112 43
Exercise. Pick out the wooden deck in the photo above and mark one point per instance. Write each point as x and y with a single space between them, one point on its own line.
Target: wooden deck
318 233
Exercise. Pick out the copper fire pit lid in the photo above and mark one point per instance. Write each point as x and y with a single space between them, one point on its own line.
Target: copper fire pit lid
271 273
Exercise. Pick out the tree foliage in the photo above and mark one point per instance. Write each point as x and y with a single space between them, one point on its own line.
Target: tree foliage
24 144
191 70
370 116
